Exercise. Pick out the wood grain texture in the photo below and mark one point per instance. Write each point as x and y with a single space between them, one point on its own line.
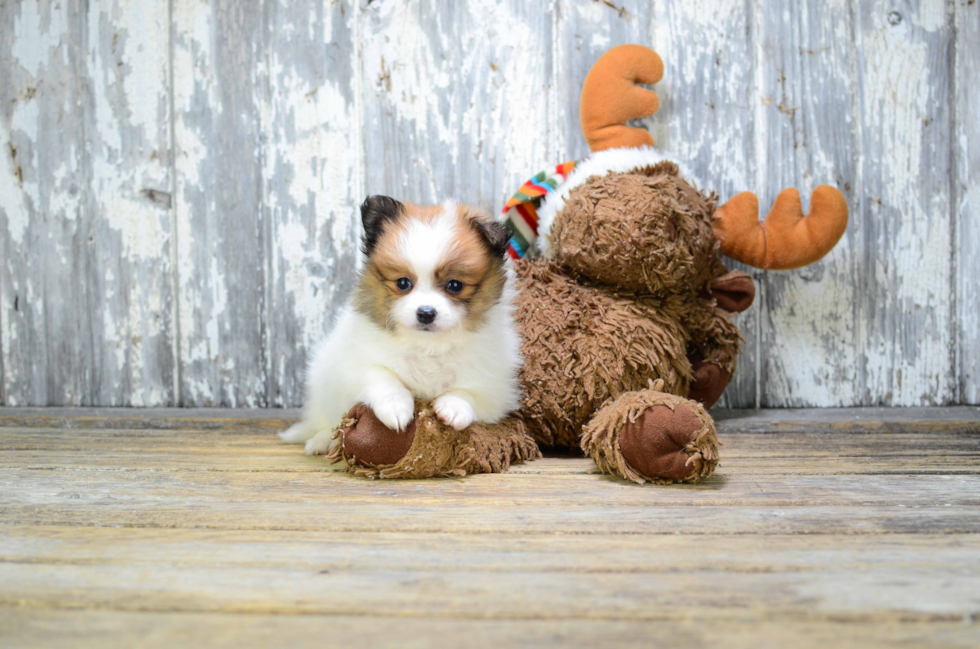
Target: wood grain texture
312 172
905 348
222 528
806 116
85 299
456 98
219 81
134 274
98 629
461 592
966 208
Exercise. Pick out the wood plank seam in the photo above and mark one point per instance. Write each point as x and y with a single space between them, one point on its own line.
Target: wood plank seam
268 324
3 328
177 398
967 137
298 610
954 293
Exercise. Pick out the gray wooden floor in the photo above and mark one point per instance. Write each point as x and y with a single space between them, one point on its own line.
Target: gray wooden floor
153 528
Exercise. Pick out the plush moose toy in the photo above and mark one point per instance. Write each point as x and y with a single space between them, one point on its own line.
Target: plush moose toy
627 336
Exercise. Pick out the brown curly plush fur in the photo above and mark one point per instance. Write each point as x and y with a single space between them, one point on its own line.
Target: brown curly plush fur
436 450
645 418
588 340
647 230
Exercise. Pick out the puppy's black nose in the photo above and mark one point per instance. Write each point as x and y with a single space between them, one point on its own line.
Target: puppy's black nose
426 314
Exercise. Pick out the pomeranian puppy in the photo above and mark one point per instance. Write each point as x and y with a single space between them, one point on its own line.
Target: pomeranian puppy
431 318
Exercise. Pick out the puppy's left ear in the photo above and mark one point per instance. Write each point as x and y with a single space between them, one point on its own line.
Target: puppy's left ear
375 212
495 235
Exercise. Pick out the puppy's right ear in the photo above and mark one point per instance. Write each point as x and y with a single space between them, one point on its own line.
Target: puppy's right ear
375 212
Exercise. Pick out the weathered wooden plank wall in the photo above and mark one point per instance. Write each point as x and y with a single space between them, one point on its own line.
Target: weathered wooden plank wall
966 197
219 78
85 205
806 116
179 181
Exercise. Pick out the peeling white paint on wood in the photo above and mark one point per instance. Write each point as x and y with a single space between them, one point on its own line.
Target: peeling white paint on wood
905 290
966 209
456 98
285 115
313 178
806 113
219 78
85 312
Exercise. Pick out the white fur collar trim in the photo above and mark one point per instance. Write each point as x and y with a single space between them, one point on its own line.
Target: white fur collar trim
598 164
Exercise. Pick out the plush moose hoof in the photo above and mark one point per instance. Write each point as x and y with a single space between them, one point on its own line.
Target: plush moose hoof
369 442
709 382
669 444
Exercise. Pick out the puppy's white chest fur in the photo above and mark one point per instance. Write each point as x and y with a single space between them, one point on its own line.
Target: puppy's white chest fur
472 379
427 376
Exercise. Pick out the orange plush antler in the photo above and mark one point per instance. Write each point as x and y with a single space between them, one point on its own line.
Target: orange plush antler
786 239
610 96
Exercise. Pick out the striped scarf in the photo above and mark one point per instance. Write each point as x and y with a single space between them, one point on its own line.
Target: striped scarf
520 214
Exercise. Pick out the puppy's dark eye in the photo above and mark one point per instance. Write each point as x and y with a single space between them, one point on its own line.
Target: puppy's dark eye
403 284
454 287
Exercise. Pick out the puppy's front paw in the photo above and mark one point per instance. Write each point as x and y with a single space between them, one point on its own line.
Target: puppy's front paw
454 411
297 433
395 410
320 444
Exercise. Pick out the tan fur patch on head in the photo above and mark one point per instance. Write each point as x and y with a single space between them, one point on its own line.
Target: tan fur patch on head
376 291
424 213
473 263
373 297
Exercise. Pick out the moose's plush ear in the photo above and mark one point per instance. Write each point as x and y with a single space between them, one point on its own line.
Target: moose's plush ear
733 291
375 212
495 235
